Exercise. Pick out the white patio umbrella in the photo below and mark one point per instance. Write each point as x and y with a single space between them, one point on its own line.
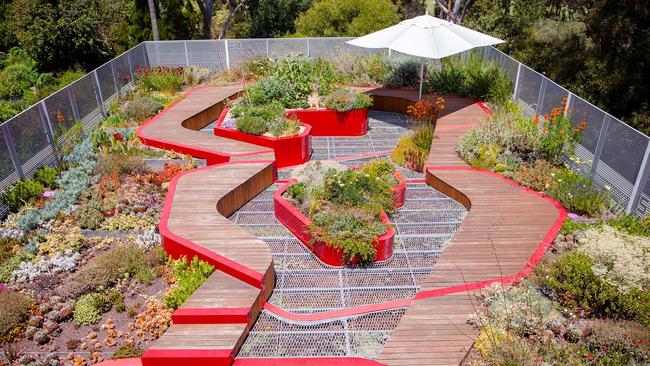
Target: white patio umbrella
426 37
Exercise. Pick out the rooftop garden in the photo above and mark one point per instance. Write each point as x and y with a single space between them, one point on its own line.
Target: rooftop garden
83 273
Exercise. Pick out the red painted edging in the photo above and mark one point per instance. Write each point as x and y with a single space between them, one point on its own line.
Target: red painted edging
399 191
297 223
211 157
211 316
335 314
289 151
177 246
327 122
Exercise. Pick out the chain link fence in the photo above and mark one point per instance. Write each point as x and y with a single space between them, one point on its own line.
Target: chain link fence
612 153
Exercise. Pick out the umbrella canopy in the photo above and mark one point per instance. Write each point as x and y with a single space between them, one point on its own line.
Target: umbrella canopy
427 37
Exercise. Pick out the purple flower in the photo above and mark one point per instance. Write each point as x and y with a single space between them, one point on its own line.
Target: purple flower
4 288
573 216
229 123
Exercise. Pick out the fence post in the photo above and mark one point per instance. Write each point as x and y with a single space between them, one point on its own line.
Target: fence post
514 93
73 103
128 58
267 48
308 48
47 125
187 56
98 93
641 181
225 44
540 97
569 99
11 147
599 145
117 85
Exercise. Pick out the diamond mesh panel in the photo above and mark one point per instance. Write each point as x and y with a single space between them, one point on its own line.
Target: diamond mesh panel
167 53
84 95
528 90
553 96
106 82
240 50
30 140
7 172
207 53
139 57
282 47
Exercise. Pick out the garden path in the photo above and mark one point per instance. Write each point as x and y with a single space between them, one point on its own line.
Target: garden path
506 232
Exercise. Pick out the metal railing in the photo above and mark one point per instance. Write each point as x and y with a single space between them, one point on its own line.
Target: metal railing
614 154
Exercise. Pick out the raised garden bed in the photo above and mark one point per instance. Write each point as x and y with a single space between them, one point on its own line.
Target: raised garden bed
328 122
289 150
298 224
399 191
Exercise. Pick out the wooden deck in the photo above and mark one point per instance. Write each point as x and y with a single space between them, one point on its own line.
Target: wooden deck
177 128
504 228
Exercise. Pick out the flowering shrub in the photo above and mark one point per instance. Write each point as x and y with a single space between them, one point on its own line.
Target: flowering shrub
141 108
344 204
578 194
343 100
558 136
427 109
166 174
412 151
188 277
619 258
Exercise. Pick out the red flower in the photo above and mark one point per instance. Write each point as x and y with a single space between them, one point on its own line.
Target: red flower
590 356
118 136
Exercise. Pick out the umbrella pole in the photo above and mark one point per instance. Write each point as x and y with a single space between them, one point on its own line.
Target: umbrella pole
421 78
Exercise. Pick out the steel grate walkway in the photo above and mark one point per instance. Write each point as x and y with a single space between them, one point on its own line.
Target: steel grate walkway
304 285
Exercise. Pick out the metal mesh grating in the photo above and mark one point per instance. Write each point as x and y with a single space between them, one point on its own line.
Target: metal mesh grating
355 336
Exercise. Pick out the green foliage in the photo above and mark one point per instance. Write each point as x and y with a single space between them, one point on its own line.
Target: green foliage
107 268
538 175
140 109
284 127
21 193
272 18
161 79
9 109
121 164
10 265
252 125
88 309
351 230
578 194
412 150
14 307
406 73
90 216
116 298
472 78
189 276
629 224
127 351
572 279
343 100
7 246
46 176
273 90
116 120
331 18
301 73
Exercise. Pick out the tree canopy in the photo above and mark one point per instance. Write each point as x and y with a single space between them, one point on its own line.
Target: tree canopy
331 18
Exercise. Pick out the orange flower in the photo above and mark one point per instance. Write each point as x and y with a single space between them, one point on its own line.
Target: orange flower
59 117
536 119
562 132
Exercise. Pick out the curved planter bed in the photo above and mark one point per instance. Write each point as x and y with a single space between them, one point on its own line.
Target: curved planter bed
289 151
327 122
297 223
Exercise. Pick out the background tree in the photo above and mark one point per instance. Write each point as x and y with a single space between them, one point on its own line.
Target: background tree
275 18
154 21
331 18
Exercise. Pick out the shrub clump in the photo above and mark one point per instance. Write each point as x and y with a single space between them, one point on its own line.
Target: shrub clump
107 268
162 79
344 205
141 108
343 100
47 175
21 193
88 308
412 151
188 276
14 307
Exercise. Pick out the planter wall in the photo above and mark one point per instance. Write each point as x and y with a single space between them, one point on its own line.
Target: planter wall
289 151
399 191
298 224
326 122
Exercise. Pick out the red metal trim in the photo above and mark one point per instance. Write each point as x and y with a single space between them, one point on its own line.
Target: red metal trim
211 316
297 223
175 357
311 361
289 150
399 191
212 157
178 246
121 362
482 106
327 122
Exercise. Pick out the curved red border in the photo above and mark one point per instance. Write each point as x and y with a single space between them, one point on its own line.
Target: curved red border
327 122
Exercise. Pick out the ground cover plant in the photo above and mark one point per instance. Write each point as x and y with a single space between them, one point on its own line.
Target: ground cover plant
343 204
81 267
